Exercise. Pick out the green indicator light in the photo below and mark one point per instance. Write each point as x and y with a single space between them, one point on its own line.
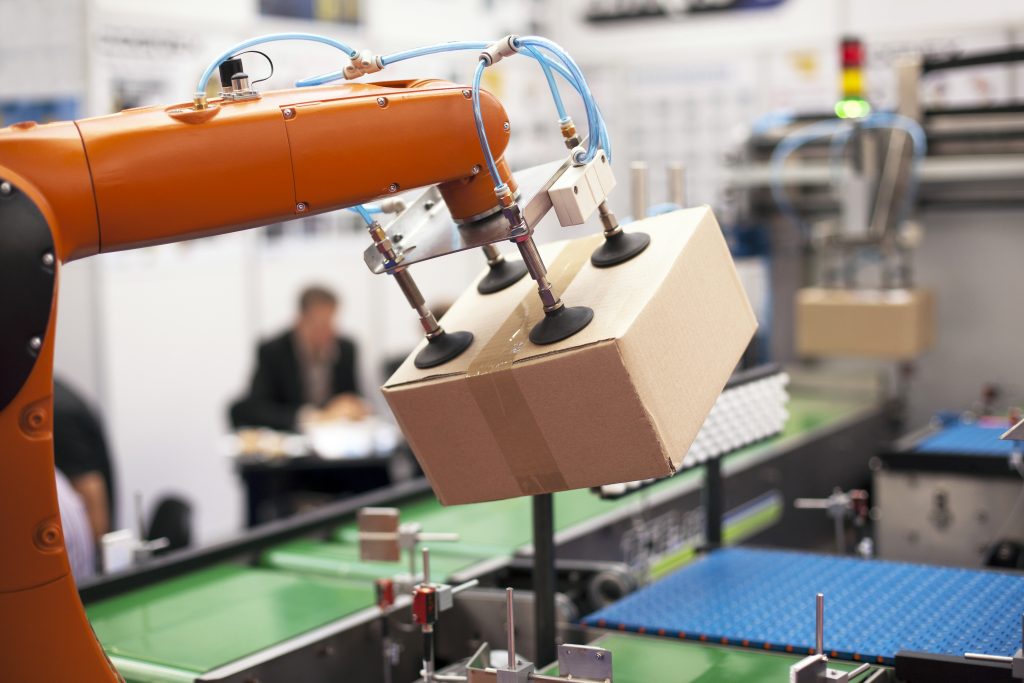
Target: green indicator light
852 108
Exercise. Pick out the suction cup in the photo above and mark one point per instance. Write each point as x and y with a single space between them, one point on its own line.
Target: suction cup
442 349
561 324
619 248
501 275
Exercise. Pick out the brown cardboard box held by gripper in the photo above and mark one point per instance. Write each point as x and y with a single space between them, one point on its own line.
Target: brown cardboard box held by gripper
619 401
896 324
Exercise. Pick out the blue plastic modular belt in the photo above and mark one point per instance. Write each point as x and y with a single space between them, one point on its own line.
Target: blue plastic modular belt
764 599
967 439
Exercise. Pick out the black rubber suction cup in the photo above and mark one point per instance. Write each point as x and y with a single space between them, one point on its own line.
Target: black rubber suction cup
501 275
561 324
619 248
441 349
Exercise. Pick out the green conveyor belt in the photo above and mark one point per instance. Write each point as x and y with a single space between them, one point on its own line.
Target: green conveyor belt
211 617
643 659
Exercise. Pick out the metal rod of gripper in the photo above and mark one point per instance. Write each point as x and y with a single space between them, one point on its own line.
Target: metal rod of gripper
638 173
426 565
492 254
539 273
677 184
819 623
511 629
415 298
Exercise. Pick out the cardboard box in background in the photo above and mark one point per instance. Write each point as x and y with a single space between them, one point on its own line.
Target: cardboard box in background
897 324
619 401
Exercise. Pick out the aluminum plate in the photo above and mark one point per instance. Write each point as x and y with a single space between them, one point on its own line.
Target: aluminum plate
426 230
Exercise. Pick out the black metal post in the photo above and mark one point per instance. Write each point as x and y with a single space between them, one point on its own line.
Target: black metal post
712 498
544 579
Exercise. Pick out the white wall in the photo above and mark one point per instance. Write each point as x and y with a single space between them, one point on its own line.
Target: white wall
174 334
973 263
78 355
42 48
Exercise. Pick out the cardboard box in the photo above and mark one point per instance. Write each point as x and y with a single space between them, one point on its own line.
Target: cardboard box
619 401
897 324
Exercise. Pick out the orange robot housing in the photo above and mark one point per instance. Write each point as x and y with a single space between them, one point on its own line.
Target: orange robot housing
163 174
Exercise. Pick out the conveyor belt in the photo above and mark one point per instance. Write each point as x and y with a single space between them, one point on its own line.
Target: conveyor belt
642 659
765 599
208 618
968 439
204 619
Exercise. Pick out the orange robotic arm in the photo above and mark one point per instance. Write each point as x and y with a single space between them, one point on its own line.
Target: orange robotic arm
156 175
164 174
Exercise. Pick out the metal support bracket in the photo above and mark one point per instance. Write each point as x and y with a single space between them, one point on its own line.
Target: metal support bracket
426 230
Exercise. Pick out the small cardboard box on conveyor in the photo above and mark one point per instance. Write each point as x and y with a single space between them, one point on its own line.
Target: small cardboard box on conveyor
620 400
894 324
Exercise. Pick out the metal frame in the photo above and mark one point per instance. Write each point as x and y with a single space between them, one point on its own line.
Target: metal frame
426 230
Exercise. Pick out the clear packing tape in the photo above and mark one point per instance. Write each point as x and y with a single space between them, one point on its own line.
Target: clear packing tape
498 395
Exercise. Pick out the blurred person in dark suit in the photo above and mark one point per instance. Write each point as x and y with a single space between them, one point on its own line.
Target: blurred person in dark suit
306 374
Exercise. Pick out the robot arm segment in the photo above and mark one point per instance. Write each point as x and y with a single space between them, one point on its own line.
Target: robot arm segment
156 175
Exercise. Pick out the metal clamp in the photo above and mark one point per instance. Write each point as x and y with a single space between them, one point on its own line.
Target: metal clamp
580 663
382 538
840 506
429 600
815 669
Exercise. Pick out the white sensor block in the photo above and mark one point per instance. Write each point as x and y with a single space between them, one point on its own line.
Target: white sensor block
576 194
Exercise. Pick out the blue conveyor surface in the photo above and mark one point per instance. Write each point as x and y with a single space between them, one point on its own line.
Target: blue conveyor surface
765 599
967 439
